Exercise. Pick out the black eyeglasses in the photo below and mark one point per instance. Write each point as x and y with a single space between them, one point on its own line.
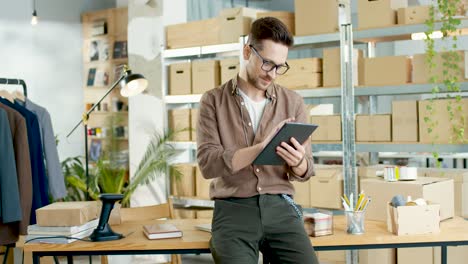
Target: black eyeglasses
268 65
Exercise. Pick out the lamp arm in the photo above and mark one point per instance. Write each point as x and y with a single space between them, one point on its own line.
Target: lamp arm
86 114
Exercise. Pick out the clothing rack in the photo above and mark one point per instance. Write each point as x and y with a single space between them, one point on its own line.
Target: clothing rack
21 82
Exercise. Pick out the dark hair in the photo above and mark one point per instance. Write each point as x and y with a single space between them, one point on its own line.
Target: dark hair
269 28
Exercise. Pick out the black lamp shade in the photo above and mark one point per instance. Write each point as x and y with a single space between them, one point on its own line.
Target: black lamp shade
133 84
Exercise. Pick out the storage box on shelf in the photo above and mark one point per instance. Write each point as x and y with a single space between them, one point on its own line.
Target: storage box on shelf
315 17
235 22
413 15
286 17
193 33
373 128
183 186
376 71
205 75
378 13
332 67
180 78
329 128
229 69
179 122
303 74
421 69
405 121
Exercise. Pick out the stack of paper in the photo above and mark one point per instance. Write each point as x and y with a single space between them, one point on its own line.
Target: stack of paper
60 234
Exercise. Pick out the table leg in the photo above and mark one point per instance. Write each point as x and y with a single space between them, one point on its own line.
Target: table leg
443 255
70 259
36 258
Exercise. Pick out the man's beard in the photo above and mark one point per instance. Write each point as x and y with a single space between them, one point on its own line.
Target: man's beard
256 82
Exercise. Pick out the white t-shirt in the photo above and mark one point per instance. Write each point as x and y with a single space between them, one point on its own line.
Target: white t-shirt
255 109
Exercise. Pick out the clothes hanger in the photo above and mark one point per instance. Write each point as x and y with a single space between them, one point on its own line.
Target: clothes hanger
7 95
19 95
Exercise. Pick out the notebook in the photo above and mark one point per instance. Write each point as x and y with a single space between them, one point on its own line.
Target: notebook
204 227
160 231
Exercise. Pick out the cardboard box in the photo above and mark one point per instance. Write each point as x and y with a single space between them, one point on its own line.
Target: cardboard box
179 122
436 190
380 256
235 22
229 69
180 79
205 75
193 123
413 220
202 185
205 214
376 71
422 255
304 73
443 131
332 67
413 15
286 17
405 121
329 128
332 256
421 69
302 193
183 185
67 213
455 255
373 128
315 17
326 187
375 13
193 33
460 178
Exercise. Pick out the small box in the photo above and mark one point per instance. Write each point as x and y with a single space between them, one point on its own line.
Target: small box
235 22
319 223
436 190
205 75
315 17
326 187
413 220
67 213
413 15
229 69
421 69
202 188
415 255
376 71
179 122
443 131
304 73
180 79
193 123
329 128
286 17
380 256
183 184
193 33
332 67
373 128
375 13
405 121
301 193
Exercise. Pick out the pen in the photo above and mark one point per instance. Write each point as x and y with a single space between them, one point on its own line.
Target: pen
345 204
369 199
346 199
360 201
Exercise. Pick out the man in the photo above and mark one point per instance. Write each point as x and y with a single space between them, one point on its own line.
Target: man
253 206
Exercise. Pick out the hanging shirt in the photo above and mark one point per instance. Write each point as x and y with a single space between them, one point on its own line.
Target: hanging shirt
54 171
23 164
40 189
255 109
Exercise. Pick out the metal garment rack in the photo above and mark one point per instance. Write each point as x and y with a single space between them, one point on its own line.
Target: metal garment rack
9 81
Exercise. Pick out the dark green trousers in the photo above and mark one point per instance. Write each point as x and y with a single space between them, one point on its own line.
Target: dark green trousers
268 223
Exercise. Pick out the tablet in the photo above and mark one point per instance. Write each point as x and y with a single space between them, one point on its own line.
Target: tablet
299 131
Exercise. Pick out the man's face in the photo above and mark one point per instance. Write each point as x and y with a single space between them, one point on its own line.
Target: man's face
260 58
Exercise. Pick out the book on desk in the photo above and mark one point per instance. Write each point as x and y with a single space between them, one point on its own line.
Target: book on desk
160 231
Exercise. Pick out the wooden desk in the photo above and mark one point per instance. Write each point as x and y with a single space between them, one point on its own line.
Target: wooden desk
453 232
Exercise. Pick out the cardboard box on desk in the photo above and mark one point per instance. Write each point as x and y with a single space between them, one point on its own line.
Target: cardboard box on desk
180 79
229 69
405 121
376 71
421 70
437 190
205 75
302 193
460 178
373 128
413 220
329 127
179 121
304 73
413 15
315 17
376 13
443 132
193 33
286 17
332 67
67 213
326 187
235 22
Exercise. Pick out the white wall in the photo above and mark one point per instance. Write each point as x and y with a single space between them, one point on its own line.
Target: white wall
48 57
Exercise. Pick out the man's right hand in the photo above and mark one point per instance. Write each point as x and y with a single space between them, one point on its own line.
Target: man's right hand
275 130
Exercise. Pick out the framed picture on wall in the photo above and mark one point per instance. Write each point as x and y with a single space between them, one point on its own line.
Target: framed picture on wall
120 50
98 50
91 76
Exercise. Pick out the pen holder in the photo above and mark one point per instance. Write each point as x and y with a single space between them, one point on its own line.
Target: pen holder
355 222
